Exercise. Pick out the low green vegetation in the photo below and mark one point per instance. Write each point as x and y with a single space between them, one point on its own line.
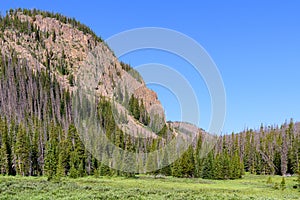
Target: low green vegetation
146 187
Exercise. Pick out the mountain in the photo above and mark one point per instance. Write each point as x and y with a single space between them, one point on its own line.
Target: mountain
70 108
46 59
62 47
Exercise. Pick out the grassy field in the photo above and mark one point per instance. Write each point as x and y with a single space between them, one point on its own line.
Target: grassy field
145 187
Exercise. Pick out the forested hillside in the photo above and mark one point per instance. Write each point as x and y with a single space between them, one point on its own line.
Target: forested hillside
42 55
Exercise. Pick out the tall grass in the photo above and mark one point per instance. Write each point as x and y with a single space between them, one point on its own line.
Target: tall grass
145 187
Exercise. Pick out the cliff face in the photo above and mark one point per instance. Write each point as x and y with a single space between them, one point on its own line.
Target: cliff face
149 97
65 48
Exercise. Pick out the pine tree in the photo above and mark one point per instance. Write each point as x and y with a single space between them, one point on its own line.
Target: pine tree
22 151
177 169
34 149
63 162
75 153
236 167
208 166
218 168
198 157
144 116
131 104
78 145
166 169
3 160
152 164
3 155
188 163
104 170
252 151
81 168
73 172
51 157
226 171
277 163
60 172
128 159
136 108
293 159
5 149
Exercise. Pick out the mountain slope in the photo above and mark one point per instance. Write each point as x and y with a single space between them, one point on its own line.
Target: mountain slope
45 58
55 43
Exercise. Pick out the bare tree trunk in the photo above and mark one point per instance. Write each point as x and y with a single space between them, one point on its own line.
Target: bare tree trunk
284 154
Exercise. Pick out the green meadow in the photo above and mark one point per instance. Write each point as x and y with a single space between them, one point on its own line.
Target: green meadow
147 187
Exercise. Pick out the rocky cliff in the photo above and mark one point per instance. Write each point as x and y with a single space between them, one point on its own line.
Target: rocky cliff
65 48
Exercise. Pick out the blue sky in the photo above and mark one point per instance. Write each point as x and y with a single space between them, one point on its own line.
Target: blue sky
255 45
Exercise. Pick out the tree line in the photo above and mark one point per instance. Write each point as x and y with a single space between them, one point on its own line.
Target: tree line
38 136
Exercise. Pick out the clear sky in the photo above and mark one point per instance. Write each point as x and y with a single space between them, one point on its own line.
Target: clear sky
255 45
